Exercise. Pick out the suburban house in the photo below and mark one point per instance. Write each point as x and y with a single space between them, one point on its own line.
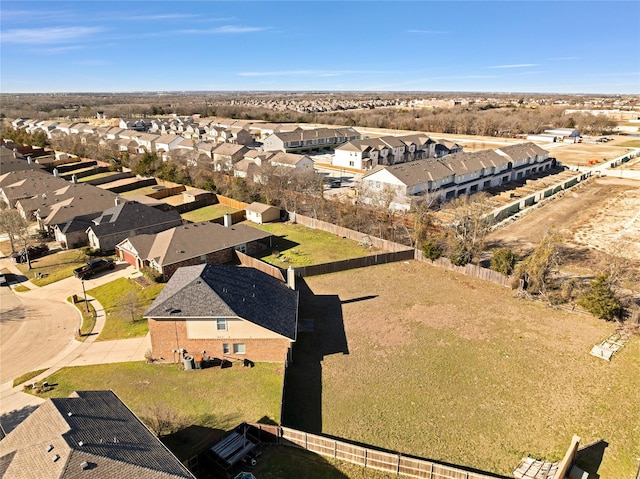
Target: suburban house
226 312
305 141
73 202
261 213
227 154
387 150
395 186
18 185
90 434
191 244
292 160
127 219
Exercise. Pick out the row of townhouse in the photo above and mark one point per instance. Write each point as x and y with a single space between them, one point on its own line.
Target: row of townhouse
368 153
306 141
396 186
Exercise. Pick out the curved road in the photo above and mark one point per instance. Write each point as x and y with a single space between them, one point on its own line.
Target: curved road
32 332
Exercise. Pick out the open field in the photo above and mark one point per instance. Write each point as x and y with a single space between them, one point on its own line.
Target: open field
298 245
208 213
455 369
213 398
580 154
601 215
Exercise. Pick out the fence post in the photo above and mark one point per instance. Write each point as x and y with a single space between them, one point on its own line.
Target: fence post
365 458
306 441
335 449
398 466
431 471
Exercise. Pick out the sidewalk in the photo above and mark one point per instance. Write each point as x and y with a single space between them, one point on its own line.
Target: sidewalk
14 403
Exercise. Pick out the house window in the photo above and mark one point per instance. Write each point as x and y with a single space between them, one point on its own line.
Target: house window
225 348
351 163
241 247
238 348
221 324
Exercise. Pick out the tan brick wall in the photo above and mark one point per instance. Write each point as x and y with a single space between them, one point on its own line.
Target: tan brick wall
167 335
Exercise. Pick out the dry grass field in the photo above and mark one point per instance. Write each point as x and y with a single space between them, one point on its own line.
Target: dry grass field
600 216
450 368
580 154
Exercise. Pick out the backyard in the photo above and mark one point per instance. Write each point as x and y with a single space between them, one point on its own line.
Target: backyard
207 213
297 245
454 369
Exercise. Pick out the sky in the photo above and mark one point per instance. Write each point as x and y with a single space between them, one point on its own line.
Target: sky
306 45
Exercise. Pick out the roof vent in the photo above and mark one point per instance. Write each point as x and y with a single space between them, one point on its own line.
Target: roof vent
84 465
80 443
55 457
179 251
50 448
69 414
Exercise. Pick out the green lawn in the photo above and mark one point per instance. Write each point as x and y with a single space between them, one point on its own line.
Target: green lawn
297 245
53 267
207 213
214 398
96 176
113 298
88 313
454 369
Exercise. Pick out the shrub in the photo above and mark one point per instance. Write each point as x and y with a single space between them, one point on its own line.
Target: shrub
431 249
152 275
601 301
503 260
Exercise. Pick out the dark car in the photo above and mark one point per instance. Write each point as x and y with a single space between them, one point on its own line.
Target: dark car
34 252
93 266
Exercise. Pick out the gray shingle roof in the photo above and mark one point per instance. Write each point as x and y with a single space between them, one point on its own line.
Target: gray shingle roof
213 291
191 240
90 426
131 215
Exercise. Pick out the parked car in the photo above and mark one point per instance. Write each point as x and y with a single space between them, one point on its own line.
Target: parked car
93 266
3 279
34 252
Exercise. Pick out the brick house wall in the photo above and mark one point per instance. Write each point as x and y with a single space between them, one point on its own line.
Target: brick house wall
167 335
216 257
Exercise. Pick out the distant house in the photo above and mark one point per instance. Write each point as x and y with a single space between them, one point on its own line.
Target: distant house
90 434
191 244
227 154
229 312
128 219
260 213
306 141
396 186
292 160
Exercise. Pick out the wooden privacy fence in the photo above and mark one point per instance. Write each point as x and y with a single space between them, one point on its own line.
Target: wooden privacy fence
225 200
346 233
335 266
468 270
390 462
246 260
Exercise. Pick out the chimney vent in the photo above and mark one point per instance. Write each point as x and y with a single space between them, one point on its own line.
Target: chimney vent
228 221
291 278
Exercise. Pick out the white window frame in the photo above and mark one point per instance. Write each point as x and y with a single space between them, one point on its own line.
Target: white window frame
221 322
239 348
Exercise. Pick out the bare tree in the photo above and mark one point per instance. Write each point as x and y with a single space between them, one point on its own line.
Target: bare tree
468 227
130 305
16 228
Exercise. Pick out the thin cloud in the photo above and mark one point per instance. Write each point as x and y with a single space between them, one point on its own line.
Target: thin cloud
224 30
56 50
516 65
428 32
165 16
319 73
48 35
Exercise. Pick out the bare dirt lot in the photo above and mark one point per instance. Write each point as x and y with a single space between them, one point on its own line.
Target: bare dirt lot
600 216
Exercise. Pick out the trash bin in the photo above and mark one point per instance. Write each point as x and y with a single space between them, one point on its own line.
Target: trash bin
188 362
75 298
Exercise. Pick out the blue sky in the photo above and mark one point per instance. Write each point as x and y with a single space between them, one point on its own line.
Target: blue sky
506 46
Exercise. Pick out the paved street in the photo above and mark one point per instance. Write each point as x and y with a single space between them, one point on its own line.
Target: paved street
37 330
